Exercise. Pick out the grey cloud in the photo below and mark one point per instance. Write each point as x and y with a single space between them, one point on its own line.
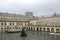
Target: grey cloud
38 8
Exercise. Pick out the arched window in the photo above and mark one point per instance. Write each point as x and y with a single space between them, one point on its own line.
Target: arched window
10 28
5 23
29 28
5 28
1 28
44 29
16 27
52 29
10 23
37 29
57 30
1 23
13 23
48 30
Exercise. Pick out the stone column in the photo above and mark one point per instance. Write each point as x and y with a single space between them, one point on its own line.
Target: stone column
46 29
15 24
42 28
55 30
0 23
50 29
35 28
7 23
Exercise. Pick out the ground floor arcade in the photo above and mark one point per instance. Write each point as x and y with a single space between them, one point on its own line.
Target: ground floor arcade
34 28
43 29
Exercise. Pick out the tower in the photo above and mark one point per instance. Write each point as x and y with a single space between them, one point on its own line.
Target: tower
29 13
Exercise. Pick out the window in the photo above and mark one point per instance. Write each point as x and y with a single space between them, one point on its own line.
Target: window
10 28
13 23
1 28
17 23
5 23
10 23
1 23
21 23
5 28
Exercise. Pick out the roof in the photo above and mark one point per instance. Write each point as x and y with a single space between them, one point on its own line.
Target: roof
14 17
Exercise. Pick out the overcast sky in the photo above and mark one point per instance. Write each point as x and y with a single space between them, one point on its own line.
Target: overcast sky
38 7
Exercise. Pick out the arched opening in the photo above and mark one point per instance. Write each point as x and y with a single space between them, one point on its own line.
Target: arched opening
40 29
1 28
37 29
16 27
34 28
52 29
5 28
48 30
10 28
57 30
43 29
27 28
31 28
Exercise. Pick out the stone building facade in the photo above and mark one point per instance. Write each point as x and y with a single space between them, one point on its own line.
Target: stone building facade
30 22
12 21
46 24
